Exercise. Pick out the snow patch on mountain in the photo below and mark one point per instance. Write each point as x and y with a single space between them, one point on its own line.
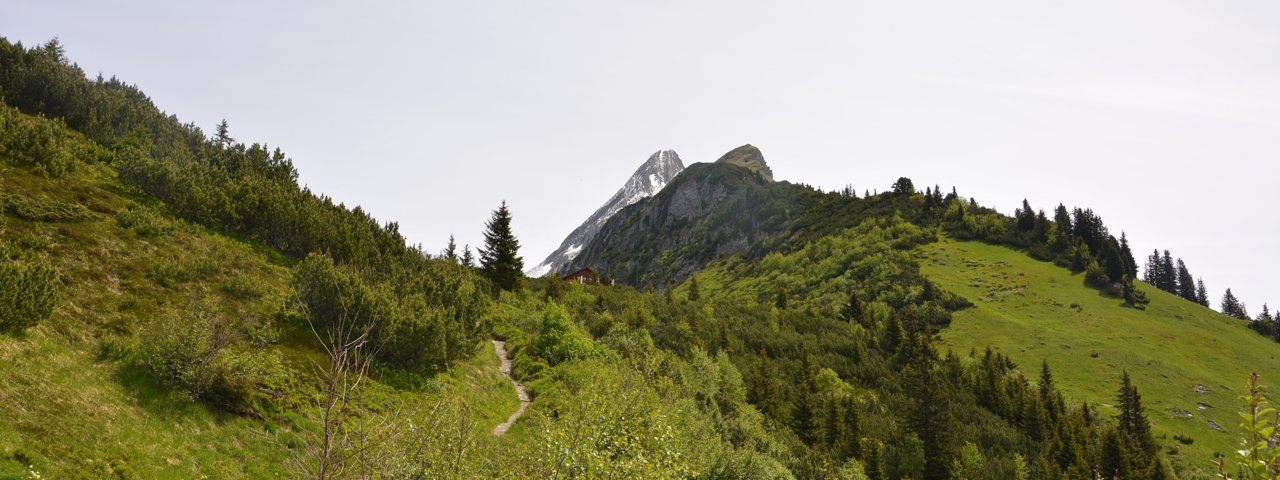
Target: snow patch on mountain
648 180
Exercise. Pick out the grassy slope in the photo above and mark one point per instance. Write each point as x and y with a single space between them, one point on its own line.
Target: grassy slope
77 413
1024 309
74 406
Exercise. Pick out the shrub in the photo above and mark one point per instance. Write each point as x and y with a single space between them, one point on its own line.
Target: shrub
28 292
44 209
33 142
559 339
168 272
185 348
243 286
143 222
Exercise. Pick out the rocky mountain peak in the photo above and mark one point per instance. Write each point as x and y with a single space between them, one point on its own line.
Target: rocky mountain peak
653 174
748 156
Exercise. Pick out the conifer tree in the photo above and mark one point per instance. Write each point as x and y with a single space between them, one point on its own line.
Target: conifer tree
467 259
1025 216
1151 273
451 250
1233 306
1168 274
1186 284
500 261
1063 241
223 136
1132 420
1126 254
694 294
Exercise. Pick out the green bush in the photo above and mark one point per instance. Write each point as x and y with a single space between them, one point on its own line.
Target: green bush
143 222
243 286
33 142
44 209
28 292
170 271
559 339
185 348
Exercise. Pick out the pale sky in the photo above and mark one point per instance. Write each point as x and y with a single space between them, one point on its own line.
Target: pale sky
1162 116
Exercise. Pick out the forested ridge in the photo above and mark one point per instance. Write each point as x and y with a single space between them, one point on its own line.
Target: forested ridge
806 349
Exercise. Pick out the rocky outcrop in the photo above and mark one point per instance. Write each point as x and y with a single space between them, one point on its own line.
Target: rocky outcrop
649 179
710 210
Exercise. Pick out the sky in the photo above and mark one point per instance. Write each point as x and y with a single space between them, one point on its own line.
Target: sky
1161 116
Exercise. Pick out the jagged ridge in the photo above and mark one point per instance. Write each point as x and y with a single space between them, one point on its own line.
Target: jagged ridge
649 179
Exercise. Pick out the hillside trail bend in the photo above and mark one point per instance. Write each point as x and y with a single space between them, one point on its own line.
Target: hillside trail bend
500 347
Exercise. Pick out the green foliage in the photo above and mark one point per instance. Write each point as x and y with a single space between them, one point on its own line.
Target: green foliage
607 423
500 261
43 209
143 222
185 348
34 142
559 339
172 271
240 285
426 324
1259 457
28 290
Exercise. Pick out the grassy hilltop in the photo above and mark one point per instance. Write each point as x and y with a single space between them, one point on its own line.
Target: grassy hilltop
1035 311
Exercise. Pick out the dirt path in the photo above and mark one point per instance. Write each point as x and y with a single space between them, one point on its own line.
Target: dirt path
500 347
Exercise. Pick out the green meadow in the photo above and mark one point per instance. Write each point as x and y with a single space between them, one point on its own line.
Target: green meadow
1189 362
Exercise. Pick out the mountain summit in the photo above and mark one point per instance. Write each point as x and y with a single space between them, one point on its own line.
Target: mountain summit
749 157
648 180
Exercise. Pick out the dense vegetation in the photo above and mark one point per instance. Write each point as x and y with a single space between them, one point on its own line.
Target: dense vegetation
184 297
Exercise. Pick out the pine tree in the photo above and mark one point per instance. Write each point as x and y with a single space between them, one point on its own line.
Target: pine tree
467 259
1126 254
1202 294
499 259
1151 273
1186 284
694 294
1063 241
223 136
1233 306
1026 217
451 250
1132 420
1168 274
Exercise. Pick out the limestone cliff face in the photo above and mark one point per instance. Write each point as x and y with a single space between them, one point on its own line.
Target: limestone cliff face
649 179
710 210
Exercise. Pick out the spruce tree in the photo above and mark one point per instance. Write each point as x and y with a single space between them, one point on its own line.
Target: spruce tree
1132 420
1168 274
1026 217
1233 306
1126 254
1202 294
1151 273
223 136
451 250
1186 284
1062 219
467 259
694 294
500 261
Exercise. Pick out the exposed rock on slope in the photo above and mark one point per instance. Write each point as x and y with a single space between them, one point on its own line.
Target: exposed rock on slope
711 210
648 180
